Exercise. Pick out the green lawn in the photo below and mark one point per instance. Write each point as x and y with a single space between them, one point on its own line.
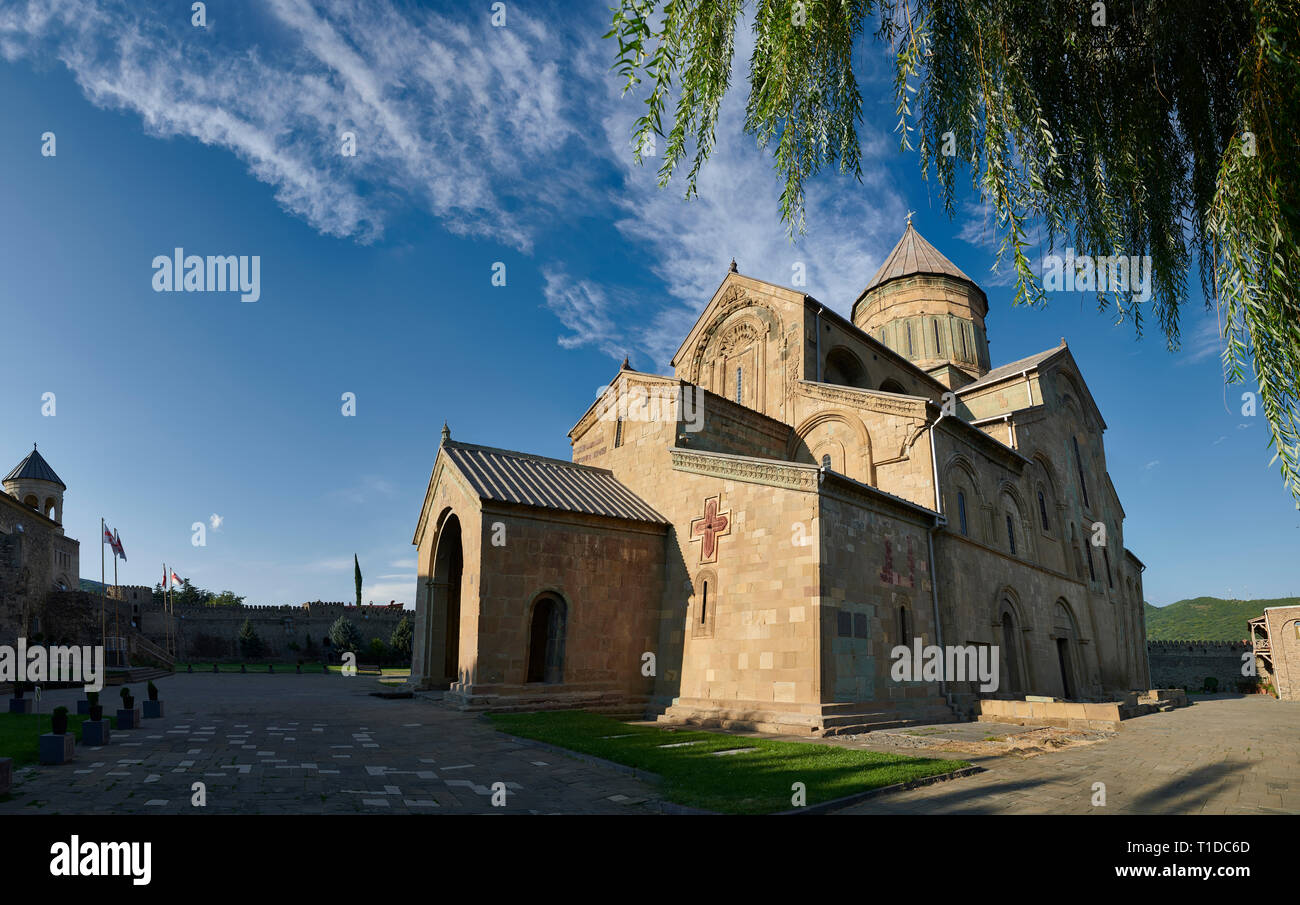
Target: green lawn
19 733
311 667
757 781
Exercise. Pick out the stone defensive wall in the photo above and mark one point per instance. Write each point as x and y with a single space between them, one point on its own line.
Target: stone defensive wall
212 632
1187 664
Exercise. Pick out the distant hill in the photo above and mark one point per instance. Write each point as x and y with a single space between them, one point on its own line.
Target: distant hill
1207 618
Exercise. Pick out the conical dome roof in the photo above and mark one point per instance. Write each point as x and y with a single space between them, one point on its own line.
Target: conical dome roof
913 255
34 468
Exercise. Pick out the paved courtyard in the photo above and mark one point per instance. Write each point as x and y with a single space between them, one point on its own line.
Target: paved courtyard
290 744
1223 755
323 745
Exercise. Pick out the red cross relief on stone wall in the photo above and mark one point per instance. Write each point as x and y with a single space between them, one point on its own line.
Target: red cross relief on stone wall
710 527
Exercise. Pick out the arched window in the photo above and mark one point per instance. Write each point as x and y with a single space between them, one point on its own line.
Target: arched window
1078 463
1092 571
1110 582
618 433
1042 511
909 339
892 386
826 461
1011 535
845 369
704 602
938 346
961 512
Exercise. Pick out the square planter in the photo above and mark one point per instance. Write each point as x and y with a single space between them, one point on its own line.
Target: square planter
153 710
129 719
83 707
57 749
96 733
6 774
22 705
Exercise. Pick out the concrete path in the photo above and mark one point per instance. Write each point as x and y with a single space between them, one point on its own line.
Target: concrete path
1225 754
290 744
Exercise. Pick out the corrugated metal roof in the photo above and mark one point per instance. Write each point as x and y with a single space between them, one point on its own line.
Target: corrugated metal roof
913 254
35 468
506 476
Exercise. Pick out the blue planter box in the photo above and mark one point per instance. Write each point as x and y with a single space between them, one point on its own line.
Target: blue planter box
96 734
57 749
22 705
153 710
83 707
129 719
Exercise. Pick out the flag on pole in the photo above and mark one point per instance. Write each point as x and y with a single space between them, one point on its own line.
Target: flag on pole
108 538
176 580
118 549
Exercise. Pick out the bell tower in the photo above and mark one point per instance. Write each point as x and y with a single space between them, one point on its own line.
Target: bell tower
34 484
923 307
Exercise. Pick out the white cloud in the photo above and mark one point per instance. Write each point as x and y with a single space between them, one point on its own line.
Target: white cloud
455 117
1204 341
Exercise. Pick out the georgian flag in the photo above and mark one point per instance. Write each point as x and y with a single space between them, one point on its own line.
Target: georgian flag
176 580
118 549
108 538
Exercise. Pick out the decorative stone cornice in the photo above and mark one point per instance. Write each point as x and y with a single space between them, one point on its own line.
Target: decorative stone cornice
883 403
772 474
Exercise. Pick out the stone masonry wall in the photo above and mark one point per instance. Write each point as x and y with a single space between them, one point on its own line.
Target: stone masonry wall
1187 664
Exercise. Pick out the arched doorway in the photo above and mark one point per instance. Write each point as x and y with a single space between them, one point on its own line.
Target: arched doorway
1011 678
546 640
444 609
1066 643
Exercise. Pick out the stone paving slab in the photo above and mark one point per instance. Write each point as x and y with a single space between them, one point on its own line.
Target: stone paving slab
1222 755
290 744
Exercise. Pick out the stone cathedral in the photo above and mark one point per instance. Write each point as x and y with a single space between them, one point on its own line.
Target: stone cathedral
744 543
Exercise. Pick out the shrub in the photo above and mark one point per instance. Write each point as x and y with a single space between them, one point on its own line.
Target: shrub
344 635
250 645
401 639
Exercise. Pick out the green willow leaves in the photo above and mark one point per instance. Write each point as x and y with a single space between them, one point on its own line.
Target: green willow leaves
1141 127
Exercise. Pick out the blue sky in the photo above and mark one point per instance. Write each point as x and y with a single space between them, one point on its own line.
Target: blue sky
475 145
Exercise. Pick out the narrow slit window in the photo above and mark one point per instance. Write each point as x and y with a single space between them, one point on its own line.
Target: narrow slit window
740 382
1011 535
961 512
1042 511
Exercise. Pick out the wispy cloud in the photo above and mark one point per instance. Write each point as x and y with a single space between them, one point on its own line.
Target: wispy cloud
453 116
1204 341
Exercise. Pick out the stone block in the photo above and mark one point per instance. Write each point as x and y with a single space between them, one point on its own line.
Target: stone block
96 733
129 719
153 710
57 749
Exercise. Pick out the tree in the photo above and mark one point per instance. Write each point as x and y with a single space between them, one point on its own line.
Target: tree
401 639
378 650
344 635
356 567
226 598
1136 128
250 645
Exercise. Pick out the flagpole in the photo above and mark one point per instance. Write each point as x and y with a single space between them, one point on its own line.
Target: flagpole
103 625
